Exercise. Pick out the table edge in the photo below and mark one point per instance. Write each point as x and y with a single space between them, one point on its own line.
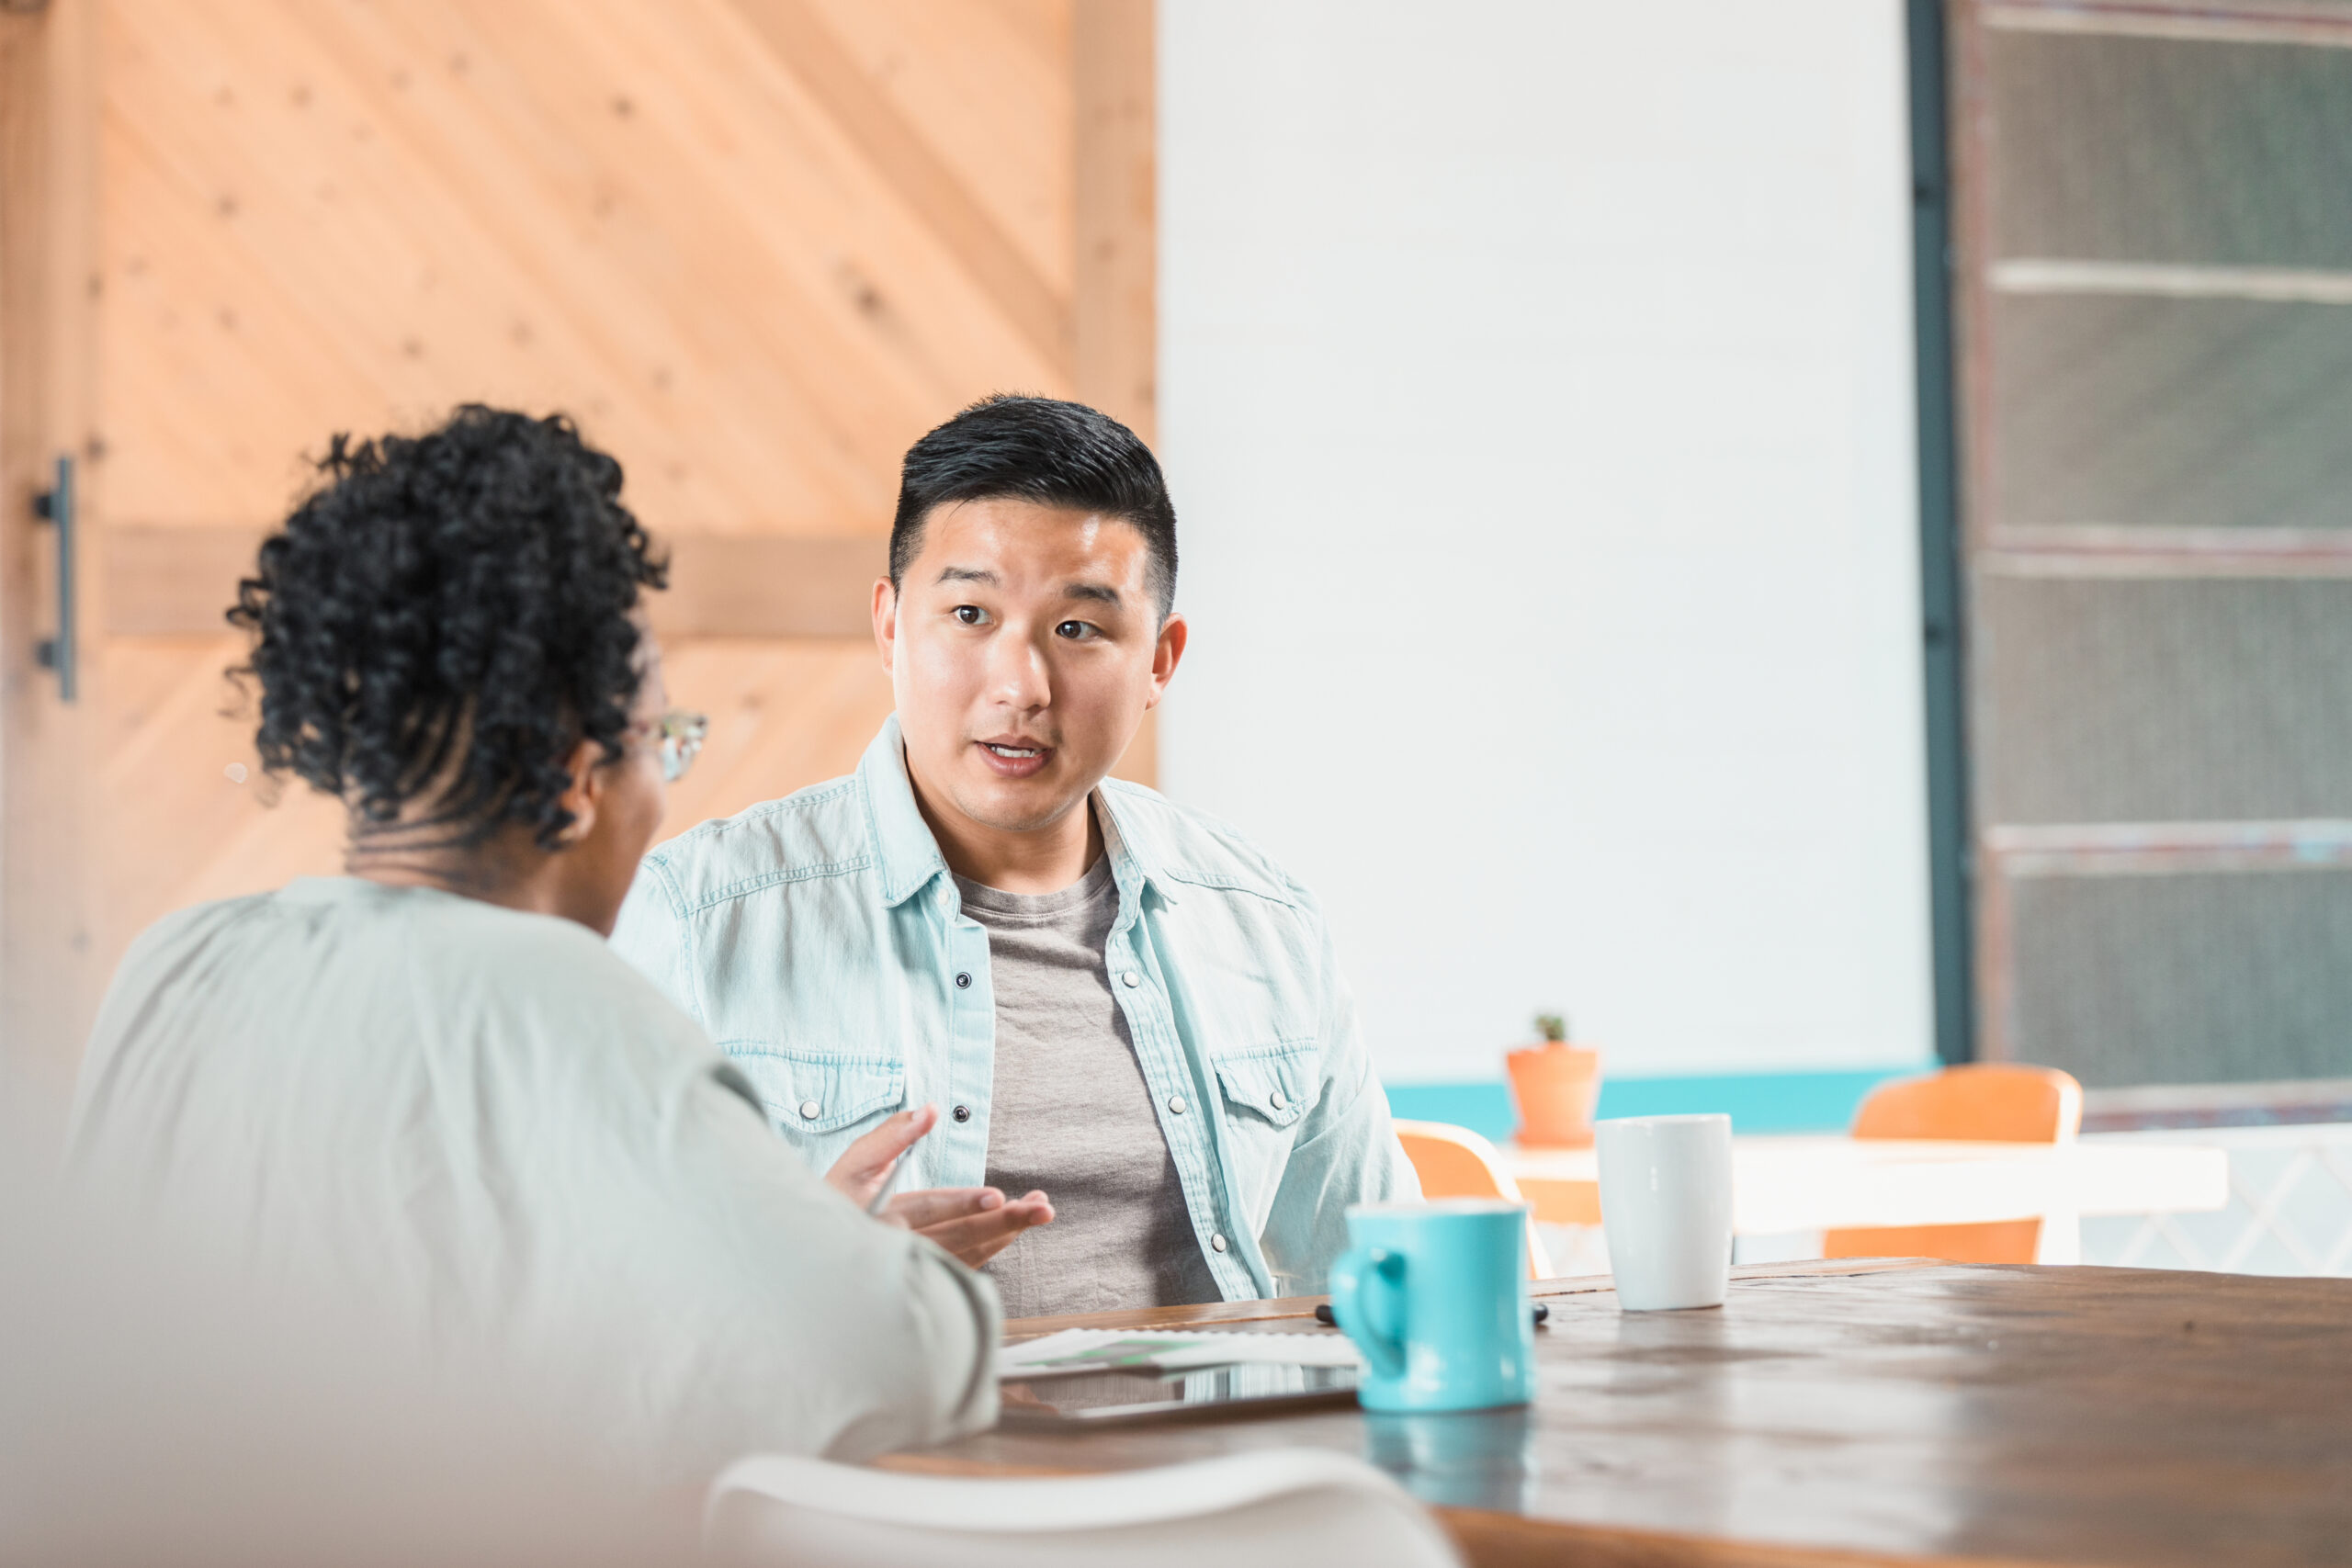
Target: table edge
1217 1315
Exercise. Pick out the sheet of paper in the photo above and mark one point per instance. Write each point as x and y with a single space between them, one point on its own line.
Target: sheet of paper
1078 1351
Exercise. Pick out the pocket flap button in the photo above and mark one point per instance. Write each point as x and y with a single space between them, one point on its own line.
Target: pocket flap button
809 1109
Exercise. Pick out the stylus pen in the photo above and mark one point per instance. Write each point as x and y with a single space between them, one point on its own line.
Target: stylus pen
882 1194
1323 1314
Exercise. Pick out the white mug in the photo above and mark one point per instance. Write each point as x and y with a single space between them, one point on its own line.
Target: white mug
1665 1206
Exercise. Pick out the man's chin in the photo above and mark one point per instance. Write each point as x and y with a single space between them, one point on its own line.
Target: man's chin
1027 805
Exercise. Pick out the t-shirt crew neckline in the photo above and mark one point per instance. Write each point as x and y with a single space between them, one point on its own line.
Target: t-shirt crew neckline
995 901
316 889
346 889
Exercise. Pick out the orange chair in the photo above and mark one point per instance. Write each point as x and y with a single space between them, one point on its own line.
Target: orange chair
1986 1102
1454 1162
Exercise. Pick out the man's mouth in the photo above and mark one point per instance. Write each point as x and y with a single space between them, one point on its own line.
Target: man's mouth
1015 756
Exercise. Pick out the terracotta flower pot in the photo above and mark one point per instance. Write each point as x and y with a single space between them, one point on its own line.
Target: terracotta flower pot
1556 1086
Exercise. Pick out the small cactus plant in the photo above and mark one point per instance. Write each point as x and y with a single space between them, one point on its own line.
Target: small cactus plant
1551 1026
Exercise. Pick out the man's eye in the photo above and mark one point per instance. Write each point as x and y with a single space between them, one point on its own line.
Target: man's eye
970 615
1076 631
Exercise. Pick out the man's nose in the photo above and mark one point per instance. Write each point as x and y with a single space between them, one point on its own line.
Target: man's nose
1017 674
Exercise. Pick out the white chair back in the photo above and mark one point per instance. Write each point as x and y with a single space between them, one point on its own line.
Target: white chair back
1276 1509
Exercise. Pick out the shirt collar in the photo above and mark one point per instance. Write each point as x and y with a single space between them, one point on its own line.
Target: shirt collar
1132 866
908 856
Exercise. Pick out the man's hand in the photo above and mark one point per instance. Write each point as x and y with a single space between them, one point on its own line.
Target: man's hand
973 1223
865 1166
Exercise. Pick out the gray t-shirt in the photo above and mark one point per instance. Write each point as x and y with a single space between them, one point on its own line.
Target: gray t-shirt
488 1128
1070 1115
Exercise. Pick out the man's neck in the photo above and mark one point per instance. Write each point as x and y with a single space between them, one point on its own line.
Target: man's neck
1036 859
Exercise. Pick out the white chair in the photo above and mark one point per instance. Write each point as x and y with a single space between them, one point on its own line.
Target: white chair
1275 1508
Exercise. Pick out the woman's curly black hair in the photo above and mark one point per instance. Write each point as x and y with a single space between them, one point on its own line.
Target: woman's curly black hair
451 614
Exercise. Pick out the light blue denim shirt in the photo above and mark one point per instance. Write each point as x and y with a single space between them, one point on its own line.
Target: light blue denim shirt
820 940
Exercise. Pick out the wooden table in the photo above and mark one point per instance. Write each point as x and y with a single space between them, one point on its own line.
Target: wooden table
1855 1412
1781 1184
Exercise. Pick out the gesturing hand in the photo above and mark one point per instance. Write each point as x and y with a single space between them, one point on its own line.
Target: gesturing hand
973 1223
865 1166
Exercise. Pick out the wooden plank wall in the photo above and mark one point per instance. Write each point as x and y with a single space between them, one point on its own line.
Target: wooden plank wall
754 246
52 954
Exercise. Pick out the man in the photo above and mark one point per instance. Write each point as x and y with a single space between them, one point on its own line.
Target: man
1129 1014
428 1089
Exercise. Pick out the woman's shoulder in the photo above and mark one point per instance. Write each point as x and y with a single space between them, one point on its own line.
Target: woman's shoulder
548 958
456 972
548 1008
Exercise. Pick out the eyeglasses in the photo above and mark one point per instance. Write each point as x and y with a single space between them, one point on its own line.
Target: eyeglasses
680 734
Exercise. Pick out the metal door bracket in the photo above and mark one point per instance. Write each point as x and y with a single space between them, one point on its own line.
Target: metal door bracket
55 507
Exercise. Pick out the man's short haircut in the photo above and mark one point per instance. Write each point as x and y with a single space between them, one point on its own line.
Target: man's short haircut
450 615
1044 450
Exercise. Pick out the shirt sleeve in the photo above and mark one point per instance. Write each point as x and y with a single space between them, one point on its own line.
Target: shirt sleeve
1346 1151
796 1322
654 937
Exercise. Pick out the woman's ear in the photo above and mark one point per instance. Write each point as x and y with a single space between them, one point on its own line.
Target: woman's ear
587 790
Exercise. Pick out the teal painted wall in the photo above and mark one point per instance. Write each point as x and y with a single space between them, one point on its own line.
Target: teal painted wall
1757 1102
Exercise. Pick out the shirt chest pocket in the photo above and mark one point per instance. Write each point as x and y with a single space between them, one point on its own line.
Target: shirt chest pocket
819 1101
1271 1087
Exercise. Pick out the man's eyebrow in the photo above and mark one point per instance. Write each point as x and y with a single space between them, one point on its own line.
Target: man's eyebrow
1097 591
968 574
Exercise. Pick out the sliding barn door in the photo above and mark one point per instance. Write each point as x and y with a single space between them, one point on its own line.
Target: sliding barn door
753 246
2156 290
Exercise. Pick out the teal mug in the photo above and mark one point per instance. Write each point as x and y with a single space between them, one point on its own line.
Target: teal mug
1435 1296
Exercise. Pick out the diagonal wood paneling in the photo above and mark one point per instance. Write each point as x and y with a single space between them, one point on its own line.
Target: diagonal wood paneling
754 246
991 96
920 176
325 215
779 709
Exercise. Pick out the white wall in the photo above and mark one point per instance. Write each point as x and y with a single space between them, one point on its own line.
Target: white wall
1536 394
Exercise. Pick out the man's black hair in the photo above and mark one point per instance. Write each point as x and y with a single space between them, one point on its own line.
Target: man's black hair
1042 449
450 612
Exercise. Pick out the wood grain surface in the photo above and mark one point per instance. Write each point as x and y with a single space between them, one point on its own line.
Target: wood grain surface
1885 1413
181 581
48 910
755 246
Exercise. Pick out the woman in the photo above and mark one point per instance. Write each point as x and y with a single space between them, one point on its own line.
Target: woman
426 1085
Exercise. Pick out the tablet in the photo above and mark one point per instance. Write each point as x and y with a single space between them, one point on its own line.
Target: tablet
1095 1399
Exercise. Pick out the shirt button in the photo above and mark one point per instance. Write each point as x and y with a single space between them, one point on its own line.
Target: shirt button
963 1113
1276 1099
964 980
1176 1103
1217 1242
809 1108
1131 979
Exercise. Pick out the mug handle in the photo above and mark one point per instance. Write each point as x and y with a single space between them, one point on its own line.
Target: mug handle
1368 1303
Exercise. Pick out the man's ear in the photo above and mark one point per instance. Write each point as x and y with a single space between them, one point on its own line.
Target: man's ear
587 790
886 621
1166 656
